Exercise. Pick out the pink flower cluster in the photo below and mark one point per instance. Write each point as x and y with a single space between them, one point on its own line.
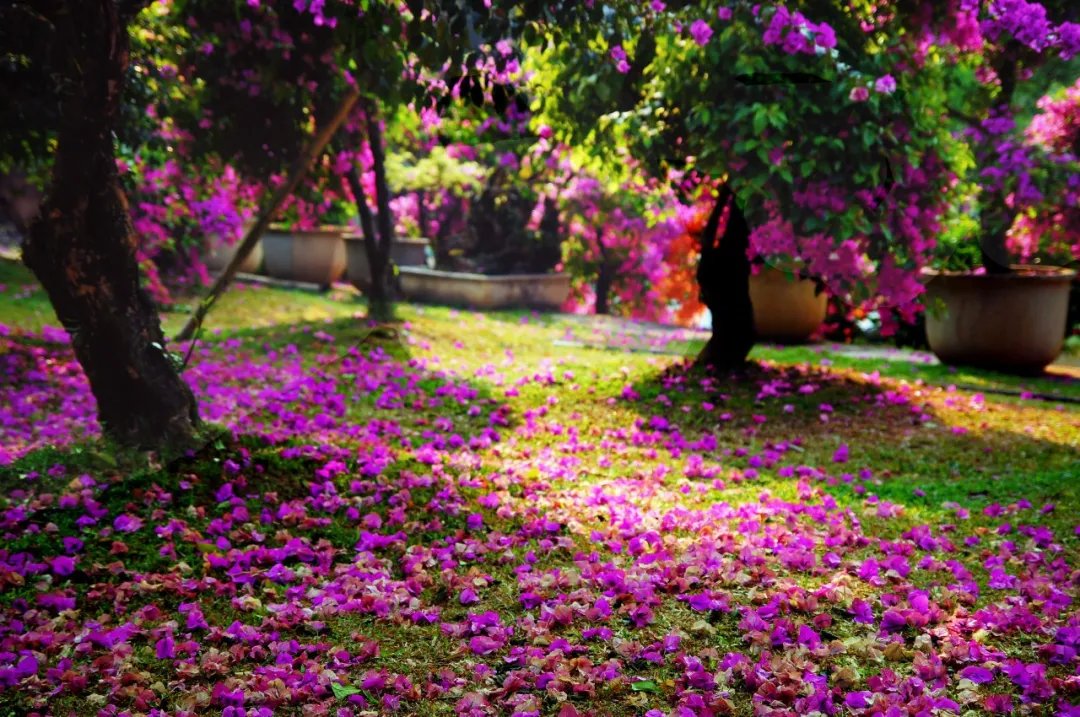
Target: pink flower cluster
795 34
1025 21
178 212
508 556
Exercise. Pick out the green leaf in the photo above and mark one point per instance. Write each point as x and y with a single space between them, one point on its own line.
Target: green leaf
342 692
745 146
761 120
644 686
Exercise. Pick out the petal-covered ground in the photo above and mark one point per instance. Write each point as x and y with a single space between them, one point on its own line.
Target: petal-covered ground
483 515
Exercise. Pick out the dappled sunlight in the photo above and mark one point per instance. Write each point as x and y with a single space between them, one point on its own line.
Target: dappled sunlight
500 528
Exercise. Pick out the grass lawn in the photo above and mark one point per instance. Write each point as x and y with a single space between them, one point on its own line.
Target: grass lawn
521 514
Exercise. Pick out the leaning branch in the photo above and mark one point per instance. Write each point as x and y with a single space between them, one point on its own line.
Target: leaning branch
297 173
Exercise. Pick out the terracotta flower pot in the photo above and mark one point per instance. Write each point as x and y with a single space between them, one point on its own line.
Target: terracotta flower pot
316 256
219 254
785 310
403 252
480 291
1013 322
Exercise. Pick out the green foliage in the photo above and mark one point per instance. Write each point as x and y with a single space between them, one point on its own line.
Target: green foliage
681 106
433 172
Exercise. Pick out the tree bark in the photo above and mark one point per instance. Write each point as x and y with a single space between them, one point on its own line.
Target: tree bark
724 280
993 247
376 288
300 168
603 278
455 209
380 299
82 244
421 213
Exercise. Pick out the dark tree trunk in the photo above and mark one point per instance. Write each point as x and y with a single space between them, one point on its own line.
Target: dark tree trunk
604 278
82 245
421 213
378 229
442 240
993 248
377 288
724 280
550 235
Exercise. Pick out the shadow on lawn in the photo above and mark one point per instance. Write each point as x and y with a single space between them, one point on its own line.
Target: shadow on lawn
289 410
914 452
339 383
375 379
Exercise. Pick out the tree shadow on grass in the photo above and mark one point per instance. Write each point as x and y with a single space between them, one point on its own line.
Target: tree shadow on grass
337 383
290 413
863 435
1057 383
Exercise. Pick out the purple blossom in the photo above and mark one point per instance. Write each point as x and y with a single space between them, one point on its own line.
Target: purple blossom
127 523
885 84
701 32
978 675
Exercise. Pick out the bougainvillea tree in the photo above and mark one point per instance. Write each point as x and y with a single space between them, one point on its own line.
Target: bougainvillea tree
806 132
994 53
616 242
64 100
1055 230
276 67
309 55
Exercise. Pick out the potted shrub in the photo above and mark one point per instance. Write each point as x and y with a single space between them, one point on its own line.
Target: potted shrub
500 259
404 251
221 248
310 254
1001 301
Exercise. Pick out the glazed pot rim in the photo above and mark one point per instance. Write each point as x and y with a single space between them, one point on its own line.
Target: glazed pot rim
767 271
463 275
1020 272
357 236
321 229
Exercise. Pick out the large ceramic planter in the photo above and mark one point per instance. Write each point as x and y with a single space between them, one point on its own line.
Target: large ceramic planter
479 291
1012 322
219 254
403 252
785 310
315 256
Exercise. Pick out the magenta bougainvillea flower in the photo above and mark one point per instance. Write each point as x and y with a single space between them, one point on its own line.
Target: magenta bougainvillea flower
525 558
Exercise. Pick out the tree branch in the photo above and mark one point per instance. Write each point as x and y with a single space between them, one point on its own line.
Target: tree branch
296 175
963 116
126 10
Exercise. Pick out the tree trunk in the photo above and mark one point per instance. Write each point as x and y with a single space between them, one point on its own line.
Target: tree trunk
603 278
993 248
82 245
724 280
421 213
376 289
378 230
447 220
